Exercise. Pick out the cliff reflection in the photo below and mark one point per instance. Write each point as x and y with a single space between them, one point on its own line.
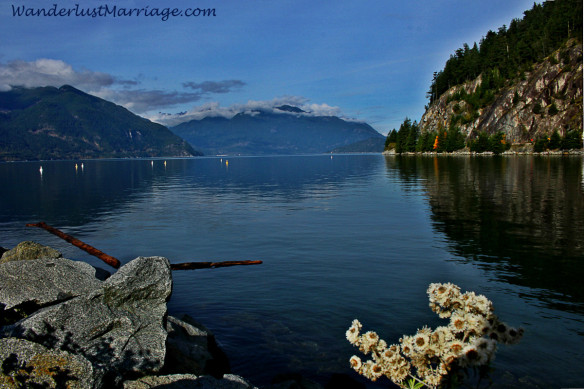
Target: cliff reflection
521 218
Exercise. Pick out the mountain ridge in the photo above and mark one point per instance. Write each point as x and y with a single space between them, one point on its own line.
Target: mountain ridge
66 123
262 132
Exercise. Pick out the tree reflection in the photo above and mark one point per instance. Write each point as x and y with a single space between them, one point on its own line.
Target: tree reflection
519 217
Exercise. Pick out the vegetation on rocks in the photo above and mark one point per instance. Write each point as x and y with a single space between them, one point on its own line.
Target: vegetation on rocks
519 86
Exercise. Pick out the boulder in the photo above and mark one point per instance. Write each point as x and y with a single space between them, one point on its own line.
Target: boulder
192 348
118 327
45 281
27 365
189 381
29 250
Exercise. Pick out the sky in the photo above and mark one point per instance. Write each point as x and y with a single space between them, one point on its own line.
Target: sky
364 60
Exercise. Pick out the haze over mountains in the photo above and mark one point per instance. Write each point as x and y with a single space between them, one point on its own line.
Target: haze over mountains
283 130
66 123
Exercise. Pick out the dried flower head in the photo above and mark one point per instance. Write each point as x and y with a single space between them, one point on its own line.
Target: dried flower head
356 363
469 339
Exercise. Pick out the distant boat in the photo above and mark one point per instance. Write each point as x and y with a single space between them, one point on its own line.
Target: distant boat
41 170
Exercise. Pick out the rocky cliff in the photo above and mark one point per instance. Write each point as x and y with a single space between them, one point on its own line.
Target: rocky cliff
535 104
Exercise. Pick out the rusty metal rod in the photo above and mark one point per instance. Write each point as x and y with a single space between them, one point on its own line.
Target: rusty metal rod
210 265
114 262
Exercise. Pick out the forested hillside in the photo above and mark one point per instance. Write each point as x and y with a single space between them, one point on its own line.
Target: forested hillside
510 52
66 123
520 86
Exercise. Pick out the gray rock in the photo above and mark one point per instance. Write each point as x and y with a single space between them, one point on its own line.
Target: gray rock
189 381
45 368
192 348
29 250
45 281
119 327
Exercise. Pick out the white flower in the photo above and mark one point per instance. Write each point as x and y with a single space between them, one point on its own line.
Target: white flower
352 333
457 323
356 363
421 341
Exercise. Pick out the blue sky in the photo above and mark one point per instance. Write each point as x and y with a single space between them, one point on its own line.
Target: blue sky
369 60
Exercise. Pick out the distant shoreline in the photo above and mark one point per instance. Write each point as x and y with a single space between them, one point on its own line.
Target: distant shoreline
559 153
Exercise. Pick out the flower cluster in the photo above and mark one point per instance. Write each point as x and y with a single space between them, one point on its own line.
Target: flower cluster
429 356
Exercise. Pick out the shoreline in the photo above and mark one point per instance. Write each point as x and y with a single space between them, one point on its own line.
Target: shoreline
556 153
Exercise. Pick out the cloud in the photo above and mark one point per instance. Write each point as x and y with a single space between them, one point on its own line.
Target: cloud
141 100
215 86
50 72
214 109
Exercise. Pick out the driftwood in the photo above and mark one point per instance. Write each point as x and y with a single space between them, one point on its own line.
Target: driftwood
210 265
114 262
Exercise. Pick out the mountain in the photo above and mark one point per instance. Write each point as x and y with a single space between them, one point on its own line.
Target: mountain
66 123
371 145
285 130
520 88
545 99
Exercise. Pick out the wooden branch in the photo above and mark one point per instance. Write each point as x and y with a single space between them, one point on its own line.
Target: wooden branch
114 262
210 265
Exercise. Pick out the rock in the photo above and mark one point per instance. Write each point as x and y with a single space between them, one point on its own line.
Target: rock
521 109
43 368
191 348
189 381
29 250
118 327
45 281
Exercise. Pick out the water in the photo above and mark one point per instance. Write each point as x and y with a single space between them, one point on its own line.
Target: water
353 236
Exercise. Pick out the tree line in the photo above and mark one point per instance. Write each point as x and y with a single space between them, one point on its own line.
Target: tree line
410 139
512 50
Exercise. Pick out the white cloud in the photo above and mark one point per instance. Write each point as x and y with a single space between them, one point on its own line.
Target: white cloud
214 109
50 72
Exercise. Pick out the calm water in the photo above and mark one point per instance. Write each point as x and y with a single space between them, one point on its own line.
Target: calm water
357 236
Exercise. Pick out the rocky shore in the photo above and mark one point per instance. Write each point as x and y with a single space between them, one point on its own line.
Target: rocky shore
511 152
66 324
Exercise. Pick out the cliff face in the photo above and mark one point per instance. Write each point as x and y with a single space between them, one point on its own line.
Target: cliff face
547 98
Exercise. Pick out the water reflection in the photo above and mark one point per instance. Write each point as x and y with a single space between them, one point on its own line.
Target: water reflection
67 195
521 218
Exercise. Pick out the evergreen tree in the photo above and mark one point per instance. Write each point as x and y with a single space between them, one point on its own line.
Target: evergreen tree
402 136
555 141
512 50
572 140
391 138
